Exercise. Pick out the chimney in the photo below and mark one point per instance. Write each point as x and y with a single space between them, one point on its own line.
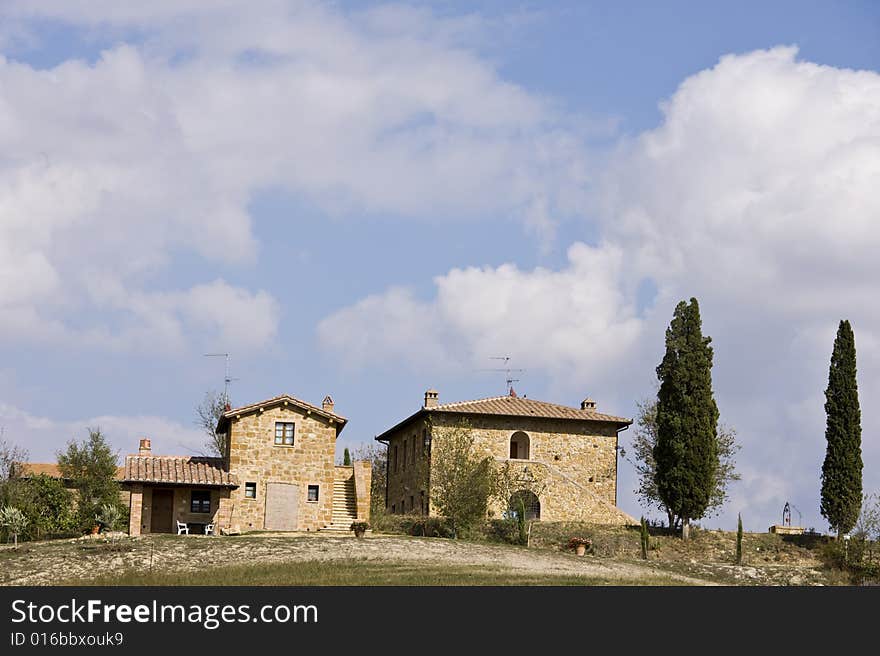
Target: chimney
431 398
327 404
144 447
588 404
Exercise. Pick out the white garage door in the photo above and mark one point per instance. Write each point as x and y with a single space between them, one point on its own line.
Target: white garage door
281 506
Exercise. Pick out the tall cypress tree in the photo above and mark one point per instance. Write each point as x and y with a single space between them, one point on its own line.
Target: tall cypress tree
842 469
686 451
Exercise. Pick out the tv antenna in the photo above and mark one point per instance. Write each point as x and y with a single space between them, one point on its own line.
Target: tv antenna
509 380
786 514
226 378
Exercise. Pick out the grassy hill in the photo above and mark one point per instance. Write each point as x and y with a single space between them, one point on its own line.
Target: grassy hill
386 559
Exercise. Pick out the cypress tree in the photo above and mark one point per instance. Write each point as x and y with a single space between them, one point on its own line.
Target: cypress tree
644 538
686 451
739 539
842 470
346 458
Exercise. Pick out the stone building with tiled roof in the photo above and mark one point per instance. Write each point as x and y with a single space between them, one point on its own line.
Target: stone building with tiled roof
279 473
564 457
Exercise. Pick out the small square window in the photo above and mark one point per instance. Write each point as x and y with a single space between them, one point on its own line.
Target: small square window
200 501
284 433
250 490
313 493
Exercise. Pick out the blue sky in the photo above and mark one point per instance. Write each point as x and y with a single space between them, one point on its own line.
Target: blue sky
368 200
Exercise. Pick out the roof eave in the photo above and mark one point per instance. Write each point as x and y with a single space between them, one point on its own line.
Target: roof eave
227 417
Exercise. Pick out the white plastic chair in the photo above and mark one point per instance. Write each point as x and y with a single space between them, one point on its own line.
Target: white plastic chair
182 528
209 529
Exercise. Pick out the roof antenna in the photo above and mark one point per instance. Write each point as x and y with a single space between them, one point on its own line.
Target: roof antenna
226 378
507 370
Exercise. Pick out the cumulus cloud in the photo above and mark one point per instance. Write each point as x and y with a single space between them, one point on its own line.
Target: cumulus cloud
119 167
756 194
44 436
574 320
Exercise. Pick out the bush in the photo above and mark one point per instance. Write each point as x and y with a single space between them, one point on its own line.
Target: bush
108 517
417 525
46 504
503 530
14 521
856 557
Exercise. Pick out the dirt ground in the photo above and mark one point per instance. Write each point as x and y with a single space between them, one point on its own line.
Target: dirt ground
46 563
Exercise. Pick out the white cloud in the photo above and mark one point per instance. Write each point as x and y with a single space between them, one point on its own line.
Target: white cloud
758 195
118 169
44 437
574 322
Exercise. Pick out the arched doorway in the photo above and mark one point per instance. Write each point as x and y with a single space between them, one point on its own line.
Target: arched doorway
519 446
525 501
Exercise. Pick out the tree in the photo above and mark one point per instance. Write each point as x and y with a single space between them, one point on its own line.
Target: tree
841 497
90 466
46 503
11 459
14 521
686 452
208 414
346 458
643 443
739 539
460 477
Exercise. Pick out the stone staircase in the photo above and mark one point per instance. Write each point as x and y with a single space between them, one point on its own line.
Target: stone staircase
344 506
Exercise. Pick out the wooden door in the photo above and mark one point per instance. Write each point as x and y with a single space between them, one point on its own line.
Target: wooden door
163 512
282 501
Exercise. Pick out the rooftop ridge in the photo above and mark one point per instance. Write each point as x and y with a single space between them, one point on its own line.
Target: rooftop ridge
282 397
488 398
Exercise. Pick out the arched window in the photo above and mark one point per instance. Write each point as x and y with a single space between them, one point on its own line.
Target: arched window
527 502
519 446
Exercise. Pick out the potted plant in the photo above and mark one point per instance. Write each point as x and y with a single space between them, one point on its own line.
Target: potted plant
359 528
580 545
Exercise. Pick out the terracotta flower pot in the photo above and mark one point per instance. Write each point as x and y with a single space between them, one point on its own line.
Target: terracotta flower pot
95 529
580 549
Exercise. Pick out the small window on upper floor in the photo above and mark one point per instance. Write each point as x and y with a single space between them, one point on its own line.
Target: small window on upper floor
313 493
519 446
284 433
250 490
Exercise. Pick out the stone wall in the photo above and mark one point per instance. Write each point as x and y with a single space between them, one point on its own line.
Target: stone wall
408 476
575 461
363 477
135 509
254 457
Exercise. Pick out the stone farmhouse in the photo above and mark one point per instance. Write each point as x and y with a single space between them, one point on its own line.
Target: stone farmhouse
571 451
279 474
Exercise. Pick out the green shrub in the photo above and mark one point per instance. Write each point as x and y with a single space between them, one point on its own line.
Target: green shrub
14 521
503 530
856 557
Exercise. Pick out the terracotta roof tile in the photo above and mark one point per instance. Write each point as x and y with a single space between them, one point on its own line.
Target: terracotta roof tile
179 470
512 406
523 407
51 469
